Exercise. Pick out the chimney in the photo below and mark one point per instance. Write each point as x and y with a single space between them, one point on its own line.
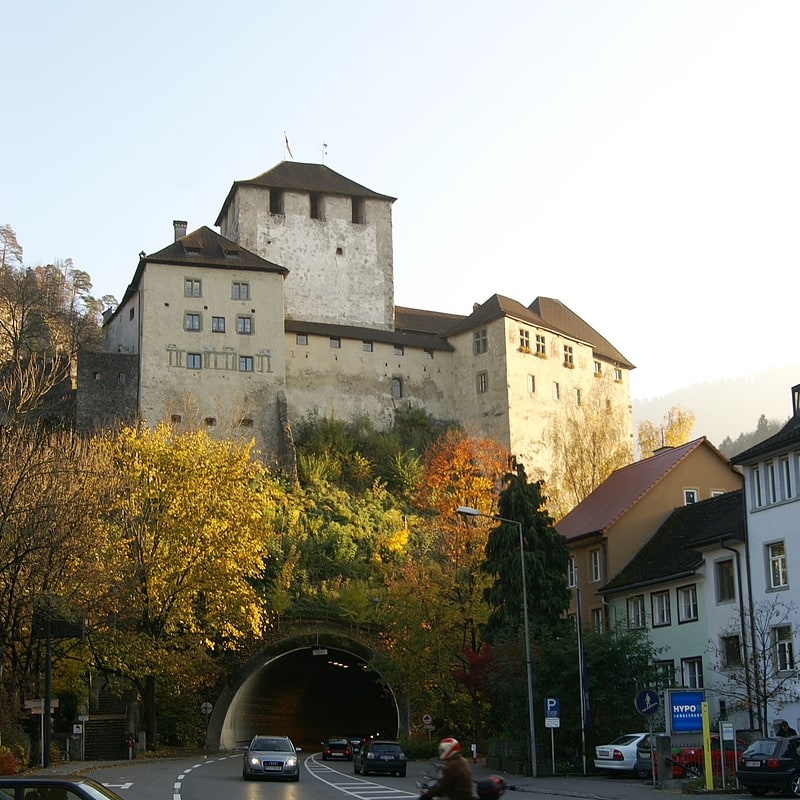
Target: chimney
796 400
180 228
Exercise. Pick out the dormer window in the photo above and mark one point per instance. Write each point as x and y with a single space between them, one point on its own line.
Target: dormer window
231 253
192 250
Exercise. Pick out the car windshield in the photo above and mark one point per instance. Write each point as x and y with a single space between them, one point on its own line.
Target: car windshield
761 747
338 742
627 739
385 748
281 745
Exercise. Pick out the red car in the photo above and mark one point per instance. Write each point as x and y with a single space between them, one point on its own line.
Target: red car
690 760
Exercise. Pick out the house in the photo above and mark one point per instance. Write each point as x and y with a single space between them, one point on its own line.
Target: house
772 501
608 528
289 311
687 588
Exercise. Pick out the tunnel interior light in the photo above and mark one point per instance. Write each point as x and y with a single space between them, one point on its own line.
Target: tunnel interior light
319 651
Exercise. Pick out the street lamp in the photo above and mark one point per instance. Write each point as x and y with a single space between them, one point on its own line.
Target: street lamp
466 511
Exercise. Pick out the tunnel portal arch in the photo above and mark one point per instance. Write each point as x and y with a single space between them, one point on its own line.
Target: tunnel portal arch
308 687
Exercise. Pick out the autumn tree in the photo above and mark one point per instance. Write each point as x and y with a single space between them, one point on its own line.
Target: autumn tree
587 441
187 533
674 430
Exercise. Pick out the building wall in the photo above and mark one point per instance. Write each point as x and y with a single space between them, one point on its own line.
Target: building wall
114 380
341 272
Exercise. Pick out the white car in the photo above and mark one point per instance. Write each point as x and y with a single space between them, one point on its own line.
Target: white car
620 755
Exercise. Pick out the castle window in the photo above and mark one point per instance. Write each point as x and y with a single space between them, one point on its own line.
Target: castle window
617 374
480 341
240 290
366 347
191 321
532 384
335 343
556 391
524 339
121 379
316 206
193 360
218 324
130 314
428 354
577 397
598 368
569 359
191 287
245 363
175 419
210 421
301 338
244 325
397 388
482 382
540 348
246 423
275 201
399 350
358 215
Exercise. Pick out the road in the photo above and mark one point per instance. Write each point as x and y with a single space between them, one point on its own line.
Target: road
220 778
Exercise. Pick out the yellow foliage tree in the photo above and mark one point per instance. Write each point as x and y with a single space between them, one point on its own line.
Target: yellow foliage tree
185 537
674 430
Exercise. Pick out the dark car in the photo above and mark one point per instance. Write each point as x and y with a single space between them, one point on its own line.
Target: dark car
356 741
380 755
771 764
34 787
270 757
337 747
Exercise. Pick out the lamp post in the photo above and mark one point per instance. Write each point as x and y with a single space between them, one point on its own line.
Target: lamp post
466 511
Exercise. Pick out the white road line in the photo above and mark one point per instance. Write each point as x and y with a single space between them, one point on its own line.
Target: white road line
360 788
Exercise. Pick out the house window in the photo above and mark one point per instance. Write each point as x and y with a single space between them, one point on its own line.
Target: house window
772 484
572 573
120 379
335 343
665 670
316 206
193 361
788 483
598 368
594 563
480 341
597 620
569 358
366 347
531 384
687 604
784 648
428 354
218 324
244 325
725 587
540 348
556 390
397 388
577 397
175 419
240 290
246 422
275 201
731 651
524 339
659 602
191 321
131 314
636 612
210 422
778 576
482 379
245 363
301 339
692 671
357 210
758 500
191 287
399 350
617 374
689 496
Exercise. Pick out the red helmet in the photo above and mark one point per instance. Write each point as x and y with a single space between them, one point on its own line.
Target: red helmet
448 748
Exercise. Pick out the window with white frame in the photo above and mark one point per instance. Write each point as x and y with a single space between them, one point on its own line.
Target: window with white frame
636 618
594 564
786 478
617 374
660 609
784 648
689 496
597 620
531 384
776 559
598 368
572 573
731 650
772 483
687 604
665 673
692 672
556 390
755 477
726 589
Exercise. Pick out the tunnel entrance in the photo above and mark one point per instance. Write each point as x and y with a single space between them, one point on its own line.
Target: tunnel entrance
310 693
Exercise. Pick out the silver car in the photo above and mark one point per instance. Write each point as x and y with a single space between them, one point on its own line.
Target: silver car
271 757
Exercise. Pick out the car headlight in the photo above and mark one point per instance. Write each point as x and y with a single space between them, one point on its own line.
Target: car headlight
291 761
254 761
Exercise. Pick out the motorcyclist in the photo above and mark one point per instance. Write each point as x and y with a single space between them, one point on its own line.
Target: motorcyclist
455 781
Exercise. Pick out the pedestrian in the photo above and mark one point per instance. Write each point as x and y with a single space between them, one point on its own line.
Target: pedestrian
785 730
455 782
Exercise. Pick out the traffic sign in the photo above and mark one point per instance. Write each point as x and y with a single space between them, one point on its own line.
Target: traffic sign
647 702
552 712
427 719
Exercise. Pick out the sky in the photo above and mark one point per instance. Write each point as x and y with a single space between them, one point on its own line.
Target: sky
638 160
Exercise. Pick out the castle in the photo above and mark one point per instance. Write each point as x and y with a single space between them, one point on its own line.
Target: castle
289 310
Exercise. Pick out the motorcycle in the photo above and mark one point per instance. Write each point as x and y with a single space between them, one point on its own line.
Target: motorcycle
491 788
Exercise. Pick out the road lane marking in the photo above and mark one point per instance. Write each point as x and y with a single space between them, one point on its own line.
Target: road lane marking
360 788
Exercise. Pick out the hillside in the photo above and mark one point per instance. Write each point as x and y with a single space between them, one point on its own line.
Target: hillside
727 407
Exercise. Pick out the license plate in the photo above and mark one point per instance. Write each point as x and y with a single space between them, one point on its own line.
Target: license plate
273 767
752 764
602 753
387 758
